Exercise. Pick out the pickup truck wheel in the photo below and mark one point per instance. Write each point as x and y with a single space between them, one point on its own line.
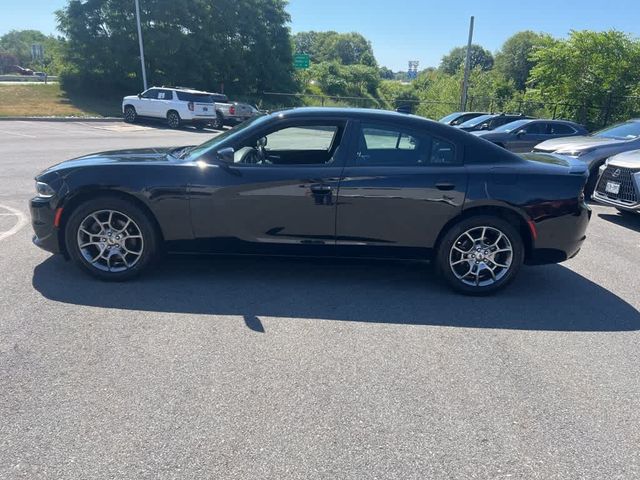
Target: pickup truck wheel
218 123
173 119
130 114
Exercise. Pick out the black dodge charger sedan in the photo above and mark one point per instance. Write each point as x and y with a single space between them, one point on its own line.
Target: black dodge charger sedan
312 181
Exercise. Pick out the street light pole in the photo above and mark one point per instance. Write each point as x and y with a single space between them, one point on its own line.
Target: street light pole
467 67
144 69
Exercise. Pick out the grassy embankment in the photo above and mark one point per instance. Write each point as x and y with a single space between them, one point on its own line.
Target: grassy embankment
40 100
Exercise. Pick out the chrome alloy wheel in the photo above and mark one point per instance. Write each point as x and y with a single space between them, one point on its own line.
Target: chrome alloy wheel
481 256
110 241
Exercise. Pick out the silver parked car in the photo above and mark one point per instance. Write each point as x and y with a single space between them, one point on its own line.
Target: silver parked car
619 182
524 135
594 149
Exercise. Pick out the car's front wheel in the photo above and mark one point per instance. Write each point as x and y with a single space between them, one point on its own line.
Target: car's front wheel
173 119
130 114
111 238
480 255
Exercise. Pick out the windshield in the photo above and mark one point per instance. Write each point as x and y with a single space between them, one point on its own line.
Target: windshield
622 131
213 143
449 117
511 126
476 121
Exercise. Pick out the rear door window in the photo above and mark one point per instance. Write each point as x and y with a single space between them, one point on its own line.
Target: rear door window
560 129
537 128
382 145
165 95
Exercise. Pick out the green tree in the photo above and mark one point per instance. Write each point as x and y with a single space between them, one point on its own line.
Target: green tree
345 48
395 94
336 79
242 44
386 73
18 44
514 58
588 72
455 59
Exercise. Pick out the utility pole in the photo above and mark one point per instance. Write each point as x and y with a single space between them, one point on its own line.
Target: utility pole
144 69
467 67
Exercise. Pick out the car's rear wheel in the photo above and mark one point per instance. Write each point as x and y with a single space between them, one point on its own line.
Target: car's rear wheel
173 119
218 123
111 238
480 255
130 114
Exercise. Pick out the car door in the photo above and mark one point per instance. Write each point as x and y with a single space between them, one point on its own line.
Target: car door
145 106
279 195
527 137
399 188
160 106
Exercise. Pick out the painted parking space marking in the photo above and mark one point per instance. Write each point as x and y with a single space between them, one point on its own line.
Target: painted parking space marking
20 220
17 134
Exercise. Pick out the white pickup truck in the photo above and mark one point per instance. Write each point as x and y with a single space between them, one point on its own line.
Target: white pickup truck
230 113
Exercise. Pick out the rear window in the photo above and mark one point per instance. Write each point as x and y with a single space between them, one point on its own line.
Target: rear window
194 97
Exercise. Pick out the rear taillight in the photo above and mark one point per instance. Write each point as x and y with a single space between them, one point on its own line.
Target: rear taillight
232 110
190 105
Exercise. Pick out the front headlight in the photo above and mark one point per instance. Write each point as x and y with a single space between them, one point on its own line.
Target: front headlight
44 190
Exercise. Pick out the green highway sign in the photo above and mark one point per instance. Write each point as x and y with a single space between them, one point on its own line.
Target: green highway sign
301 60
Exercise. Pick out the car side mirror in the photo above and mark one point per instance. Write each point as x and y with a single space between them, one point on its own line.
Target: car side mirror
226 155
262 142
484 126
139 95
520 133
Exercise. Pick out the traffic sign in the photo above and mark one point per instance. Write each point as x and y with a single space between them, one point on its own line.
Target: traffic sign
301 61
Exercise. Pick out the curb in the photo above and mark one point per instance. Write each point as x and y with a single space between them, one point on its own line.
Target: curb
63 119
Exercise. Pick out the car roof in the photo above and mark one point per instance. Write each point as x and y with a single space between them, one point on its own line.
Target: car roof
371 113
184 89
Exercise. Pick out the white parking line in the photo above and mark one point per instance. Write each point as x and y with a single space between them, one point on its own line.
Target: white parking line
22 221
18 134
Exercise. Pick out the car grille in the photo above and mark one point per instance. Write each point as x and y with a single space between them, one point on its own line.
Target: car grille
623 176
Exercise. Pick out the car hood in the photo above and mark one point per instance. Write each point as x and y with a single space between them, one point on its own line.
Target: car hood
135 156
576 143
629 159
130 97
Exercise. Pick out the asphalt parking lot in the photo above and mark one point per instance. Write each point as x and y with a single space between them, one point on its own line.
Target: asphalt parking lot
269 368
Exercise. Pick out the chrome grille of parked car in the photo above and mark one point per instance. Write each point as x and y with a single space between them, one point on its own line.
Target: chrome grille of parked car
623 176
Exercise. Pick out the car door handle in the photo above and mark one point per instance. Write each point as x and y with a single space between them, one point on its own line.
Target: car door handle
445 186
320 188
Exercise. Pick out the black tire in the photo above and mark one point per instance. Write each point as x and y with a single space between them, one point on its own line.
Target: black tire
130 114
149 241
173 119
199 126
218 123
445 255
